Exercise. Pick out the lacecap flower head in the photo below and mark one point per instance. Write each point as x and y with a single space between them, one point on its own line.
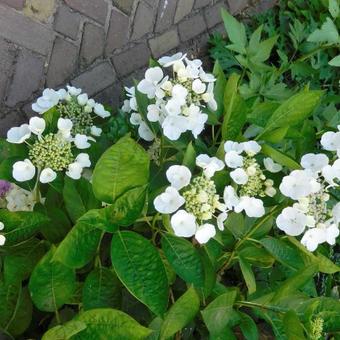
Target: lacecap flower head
313 215
177 102
193 201
250 182
74 105
49 153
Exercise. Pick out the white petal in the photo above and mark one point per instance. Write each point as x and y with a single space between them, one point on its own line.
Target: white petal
169 201
82 99
18 135
84 160
233 159
74 170
198 87
251 147
47 175
2 240
81 141
271 166
37 125
96 131
154 74
204 233
2 226
145 132
221 218
314 162
239 176
23 170
183 224
230 197
179 176
100 111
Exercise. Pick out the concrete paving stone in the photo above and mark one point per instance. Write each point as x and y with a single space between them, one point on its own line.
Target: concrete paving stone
191 27
95 9
164 43
117 35
213 14
7 57
166 14
92 46
62 63
143 21
28 74
25 31
67 22
124 5
132 59
17 4
184 8
95 79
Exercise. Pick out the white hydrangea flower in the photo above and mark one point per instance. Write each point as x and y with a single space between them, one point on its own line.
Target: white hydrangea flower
198 86
74 170
233 159
205 232
100 111
83 99
239 176
49 99
152 81
312 238
65 127
82 141
168 61
179 176
2 237
23 170
233 146
299 183
251 147
96 131
314 162
209 164
271 166
19 199
292 221
145 132
37 125
173 127
221 218
252 206
136 119
331 173
84 160
230 197
183 224
73 91
17 135
169 201
331 141
47 176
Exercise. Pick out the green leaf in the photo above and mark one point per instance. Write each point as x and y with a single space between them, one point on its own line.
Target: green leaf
219 87
20 226
51 284
182 312
217 314
78 198
15 308
236 30
335 61
333 7
264 50
65 331
257 256
184 258
248 327
140 268
280 157
189 158
122 167
293 327
248 275
328 33
8 150
109 324
235 110
20 261
283 252
235 224
101 289
294 283
79 246
293 111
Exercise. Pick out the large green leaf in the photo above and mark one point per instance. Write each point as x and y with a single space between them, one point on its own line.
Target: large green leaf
64 332
122 167
293 111
79 246
78 197
248 327
184 258
20 261
103 324
280 157
51 284
20 226
101 289
140 268
15 308
248 275
180 314
219 87
235 110
218 313
328 33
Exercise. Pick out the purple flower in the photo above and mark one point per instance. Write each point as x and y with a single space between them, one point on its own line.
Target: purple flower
4 187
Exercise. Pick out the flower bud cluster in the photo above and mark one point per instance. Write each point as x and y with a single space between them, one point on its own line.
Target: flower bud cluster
154 151
175 103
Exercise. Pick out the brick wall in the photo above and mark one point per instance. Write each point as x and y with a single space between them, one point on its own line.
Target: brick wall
98 45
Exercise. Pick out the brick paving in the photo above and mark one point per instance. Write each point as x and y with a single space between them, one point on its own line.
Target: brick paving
99 45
